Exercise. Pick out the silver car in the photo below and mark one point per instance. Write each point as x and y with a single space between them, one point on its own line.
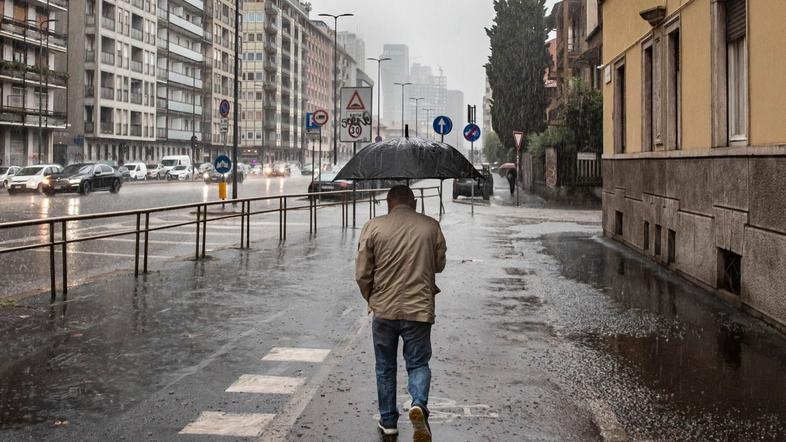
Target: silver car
6 173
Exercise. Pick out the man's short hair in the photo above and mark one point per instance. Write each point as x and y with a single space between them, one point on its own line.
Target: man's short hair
401 194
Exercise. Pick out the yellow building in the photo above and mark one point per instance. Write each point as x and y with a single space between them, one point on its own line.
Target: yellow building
695 142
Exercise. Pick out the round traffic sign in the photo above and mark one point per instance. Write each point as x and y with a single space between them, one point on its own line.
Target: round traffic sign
443 125
222 164
320 117
472 132
377 139
223 108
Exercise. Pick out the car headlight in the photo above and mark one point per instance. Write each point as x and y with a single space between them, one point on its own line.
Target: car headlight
205 175
75 180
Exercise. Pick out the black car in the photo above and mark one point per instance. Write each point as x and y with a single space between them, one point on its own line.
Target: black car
211 176
326 184
484 188
85 178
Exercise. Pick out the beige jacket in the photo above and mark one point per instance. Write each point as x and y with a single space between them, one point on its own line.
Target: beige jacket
398 256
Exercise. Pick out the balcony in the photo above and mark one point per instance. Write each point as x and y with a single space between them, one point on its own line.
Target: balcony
107 128
138 4
184 135
184 80
137 34
136 66
186 108
186 25
269 86
136 130
90 21
163 14
136 97
270 125
185 52
271 28
90 56
161 103
161 74
108 58
270 66
199 4
270 9
89 127
108 92
108 23
31 117
90 91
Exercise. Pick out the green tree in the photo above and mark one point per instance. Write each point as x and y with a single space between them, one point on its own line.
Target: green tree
515 68
583 116
494 150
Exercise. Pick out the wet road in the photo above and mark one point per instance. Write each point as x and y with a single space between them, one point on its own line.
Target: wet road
29 270
545 331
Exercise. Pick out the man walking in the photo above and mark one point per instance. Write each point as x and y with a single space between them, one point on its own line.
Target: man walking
398 257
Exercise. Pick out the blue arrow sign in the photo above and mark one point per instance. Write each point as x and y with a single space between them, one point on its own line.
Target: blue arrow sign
472 132
223 108
222 164
443 125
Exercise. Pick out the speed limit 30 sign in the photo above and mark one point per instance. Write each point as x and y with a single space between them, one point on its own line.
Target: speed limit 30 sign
356 107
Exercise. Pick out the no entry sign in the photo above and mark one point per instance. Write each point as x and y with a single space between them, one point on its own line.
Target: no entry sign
320 117
356 118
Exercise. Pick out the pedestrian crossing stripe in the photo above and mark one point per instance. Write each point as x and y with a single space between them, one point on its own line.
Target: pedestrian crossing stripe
216 423
262 384
289 354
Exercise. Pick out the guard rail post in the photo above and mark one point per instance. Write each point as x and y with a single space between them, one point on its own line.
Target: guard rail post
354 204
204 229
242 223
422 203
280 219
248 225
65 258
53 287
198 216
147 237
285 218
136 245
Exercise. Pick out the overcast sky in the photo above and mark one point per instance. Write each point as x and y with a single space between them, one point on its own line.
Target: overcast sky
446 33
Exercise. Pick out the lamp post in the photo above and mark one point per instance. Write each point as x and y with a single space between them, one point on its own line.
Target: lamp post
428 110
335 80
43 71
379 88
403 85
416 100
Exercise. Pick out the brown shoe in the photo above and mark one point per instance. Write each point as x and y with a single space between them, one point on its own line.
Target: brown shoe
420 424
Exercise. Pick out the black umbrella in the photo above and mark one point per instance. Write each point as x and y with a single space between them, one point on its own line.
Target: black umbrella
406 158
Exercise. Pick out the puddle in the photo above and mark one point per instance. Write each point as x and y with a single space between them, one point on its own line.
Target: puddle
721 363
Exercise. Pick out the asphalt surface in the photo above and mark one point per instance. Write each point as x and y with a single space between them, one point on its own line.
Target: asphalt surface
545 331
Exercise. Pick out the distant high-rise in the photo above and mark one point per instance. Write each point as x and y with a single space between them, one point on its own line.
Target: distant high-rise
457 112
394 71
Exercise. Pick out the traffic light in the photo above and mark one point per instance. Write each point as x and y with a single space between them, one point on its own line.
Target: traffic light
194 142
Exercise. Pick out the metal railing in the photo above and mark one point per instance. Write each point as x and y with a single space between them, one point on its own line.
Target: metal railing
346 200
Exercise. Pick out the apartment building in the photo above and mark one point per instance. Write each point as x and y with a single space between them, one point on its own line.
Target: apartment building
319 78
219 75
694 157
32 81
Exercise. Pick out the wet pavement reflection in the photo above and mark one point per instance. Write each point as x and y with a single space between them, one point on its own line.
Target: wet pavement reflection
704 361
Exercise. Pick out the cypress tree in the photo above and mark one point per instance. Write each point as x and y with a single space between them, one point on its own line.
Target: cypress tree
516 68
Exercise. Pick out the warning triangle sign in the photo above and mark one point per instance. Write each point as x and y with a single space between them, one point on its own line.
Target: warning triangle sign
518 137
356 103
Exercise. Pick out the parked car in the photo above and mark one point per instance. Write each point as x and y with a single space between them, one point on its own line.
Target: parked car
137 171
326 184
180 173
125 174
85 178
306 170
6 173
204 167
157 172
169 162
33 178
280 169
484 188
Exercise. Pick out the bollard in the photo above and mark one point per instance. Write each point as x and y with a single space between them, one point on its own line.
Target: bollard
222 190
65 260
52 261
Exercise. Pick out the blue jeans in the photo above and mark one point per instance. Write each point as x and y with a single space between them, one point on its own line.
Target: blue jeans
417 353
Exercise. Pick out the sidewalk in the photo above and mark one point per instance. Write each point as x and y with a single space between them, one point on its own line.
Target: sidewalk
544 332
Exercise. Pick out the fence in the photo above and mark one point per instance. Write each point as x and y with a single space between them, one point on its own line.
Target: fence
346 199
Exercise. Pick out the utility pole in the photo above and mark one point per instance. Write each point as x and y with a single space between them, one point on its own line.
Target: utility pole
403 85
416 100
235 129
335 80
379 90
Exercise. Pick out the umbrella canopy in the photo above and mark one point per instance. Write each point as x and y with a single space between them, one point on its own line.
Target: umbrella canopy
408 158
508 166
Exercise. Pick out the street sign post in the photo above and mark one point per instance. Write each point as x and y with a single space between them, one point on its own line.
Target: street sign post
223 108
443 125
471 134
320 117
518 138
356 114
222 164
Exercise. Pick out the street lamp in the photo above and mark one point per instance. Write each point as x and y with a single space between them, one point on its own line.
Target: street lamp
416 100
379 88
428 118
43 71
403 85
335 80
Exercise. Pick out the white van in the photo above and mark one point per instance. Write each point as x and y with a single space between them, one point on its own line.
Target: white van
138 171
170 161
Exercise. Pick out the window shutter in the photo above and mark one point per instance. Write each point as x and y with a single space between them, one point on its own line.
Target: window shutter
735 19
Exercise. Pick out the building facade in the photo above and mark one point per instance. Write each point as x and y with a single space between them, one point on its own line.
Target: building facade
396 70
32 81
694 154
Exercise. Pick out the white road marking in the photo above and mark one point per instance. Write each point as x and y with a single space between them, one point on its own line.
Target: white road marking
252 383
290 354
118 255
228 424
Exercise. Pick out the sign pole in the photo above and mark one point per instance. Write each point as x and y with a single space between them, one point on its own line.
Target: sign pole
518 169
354 188
472 161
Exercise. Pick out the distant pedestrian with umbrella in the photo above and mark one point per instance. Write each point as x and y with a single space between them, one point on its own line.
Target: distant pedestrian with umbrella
510 174
399 255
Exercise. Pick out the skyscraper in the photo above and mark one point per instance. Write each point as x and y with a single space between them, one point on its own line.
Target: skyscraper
394 71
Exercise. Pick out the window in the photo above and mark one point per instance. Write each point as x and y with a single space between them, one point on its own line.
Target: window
672 246
729 271
736 69
619 108
618 223
673 88
657 239
647 99
646 236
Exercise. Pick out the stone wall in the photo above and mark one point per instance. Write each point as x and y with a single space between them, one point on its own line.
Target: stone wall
711 204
